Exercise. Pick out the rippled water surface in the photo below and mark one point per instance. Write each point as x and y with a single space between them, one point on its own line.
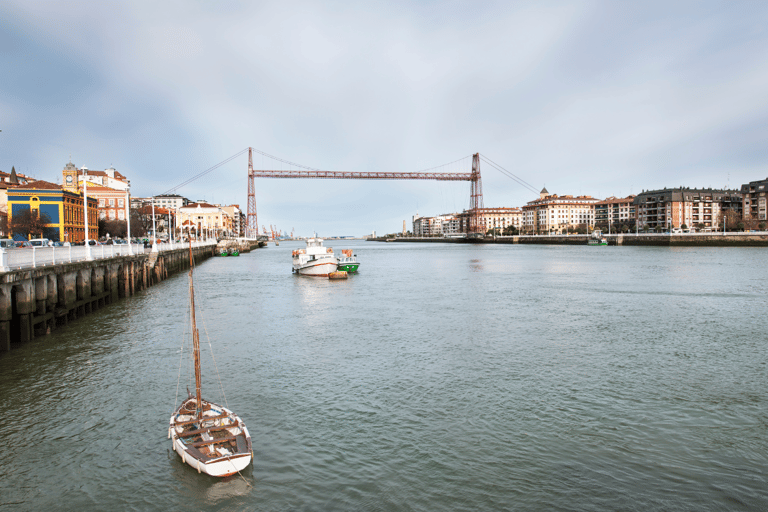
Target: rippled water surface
442 377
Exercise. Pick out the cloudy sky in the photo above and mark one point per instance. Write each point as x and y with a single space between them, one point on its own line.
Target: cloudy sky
599 98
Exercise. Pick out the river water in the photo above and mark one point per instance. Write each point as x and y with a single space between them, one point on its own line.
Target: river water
441 377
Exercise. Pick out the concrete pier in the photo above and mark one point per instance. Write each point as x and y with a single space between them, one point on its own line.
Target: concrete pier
35 301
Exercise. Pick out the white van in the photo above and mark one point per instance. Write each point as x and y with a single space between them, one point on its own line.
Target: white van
40 242
7 243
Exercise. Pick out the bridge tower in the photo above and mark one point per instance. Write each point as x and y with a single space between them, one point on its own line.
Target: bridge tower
252 220
475 197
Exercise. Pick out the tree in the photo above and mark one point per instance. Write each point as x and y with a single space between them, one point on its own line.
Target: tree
141 221
684 226
114 228
761 226
30 224
732 219
511 231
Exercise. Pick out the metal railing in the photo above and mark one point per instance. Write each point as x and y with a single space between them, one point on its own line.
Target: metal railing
33 257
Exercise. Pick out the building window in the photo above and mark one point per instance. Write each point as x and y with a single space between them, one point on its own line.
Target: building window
101 201
121 202
112 202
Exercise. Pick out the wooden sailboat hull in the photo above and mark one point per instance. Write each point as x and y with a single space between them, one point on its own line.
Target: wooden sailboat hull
219 444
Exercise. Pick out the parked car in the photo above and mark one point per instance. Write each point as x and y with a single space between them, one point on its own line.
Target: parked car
40 242
7 243
23 244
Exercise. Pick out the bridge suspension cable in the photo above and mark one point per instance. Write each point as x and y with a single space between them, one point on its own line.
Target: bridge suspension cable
509 174
476 194
476 191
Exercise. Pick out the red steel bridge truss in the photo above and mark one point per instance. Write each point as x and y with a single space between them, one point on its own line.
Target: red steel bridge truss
475 191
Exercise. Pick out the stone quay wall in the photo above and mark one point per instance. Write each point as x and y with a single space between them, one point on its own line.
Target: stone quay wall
35 301
662 240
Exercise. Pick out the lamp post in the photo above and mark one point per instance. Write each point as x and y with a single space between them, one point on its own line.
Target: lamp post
85 212
154 227
128 214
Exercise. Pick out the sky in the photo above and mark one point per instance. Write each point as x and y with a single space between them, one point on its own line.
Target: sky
597 98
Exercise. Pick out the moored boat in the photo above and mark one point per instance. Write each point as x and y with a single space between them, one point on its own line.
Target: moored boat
597 238
348 261
314 260
208 436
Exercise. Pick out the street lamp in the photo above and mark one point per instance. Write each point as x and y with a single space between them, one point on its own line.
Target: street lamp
154 227
85 211
128 214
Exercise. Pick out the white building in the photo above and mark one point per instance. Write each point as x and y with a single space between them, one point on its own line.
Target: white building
555 214
107 178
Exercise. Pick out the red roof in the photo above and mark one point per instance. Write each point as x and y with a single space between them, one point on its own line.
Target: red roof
118 176
39 185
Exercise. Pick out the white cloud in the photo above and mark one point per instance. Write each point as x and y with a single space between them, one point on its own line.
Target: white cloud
583 97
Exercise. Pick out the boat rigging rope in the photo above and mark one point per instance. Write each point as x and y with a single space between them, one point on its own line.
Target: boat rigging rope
239 473
218 375
205 329
181 361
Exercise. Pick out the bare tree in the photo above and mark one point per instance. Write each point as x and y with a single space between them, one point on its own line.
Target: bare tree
114 228
141 221
732 219
4 224
29 223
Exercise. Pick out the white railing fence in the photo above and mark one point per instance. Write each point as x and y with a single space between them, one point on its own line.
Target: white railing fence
32 257
172 246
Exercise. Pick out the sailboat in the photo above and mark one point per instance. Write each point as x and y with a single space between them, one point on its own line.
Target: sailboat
209 437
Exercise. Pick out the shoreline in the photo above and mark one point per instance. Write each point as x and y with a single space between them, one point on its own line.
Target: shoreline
628 239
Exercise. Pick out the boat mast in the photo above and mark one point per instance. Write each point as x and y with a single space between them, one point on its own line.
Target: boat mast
195 337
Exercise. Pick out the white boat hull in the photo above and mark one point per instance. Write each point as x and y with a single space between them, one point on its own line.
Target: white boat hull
221 464
225 466
318 269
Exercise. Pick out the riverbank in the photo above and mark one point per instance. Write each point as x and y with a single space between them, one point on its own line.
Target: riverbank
642 239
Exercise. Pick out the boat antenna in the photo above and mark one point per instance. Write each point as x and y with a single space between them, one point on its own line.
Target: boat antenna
195 337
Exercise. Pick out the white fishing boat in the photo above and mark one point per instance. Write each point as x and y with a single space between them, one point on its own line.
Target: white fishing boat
208 436
597 238
314 260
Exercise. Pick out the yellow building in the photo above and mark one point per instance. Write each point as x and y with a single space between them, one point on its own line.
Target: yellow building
63 207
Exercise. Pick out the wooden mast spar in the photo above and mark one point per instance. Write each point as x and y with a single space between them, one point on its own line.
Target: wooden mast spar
195 338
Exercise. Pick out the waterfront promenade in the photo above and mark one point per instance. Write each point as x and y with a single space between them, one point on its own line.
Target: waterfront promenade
729 239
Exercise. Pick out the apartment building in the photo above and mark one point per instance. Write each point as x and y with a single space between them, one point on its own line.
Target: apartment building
753 199
614 212
674 207
551 213
204 218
